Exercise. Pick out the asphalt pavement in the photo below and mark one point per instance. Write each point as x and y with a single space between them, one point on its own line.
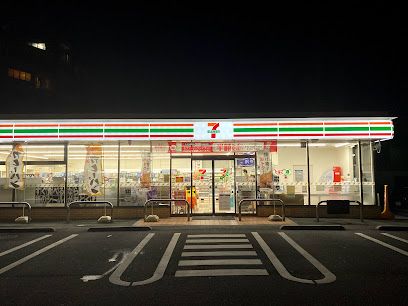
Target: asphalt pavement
204 266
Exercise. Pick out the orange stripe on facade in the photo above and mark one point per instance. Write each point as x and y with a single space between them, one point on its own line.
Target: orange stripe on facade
35 125
301 123
81 124
6 125
384 122
171 124
127 124
255 124
346 123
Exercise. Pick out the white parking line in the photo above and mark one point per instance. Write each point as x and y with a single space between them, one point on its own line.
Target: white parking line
219 262
395 237
32 255
218 246
216 240
219 253
328 276
389 246
23 245
221 272
217 236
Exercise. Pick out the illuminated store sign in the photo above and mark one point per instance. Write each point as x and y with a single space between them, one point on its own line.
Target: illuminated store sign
188 130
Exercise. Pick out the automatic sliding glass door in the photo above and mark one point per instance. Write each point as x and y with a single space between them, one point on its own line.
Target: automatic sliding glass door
202 194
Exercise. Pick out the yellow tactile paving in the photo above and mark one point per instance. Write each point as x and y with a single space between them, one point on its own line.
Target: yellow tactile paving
183 221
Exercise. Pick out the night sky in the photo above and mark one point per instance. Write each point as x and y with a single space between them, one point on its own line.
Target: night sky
272 59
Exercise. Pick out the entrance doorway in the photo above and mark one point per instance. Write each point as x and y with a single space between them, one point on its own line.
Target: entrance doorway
214 185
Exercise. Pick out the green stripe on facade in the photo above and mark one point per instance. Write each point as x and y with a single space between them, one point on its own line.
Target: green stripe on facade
381 128
24 131
171 130
238 130
346 129
305 129
81 130
127 130
6 131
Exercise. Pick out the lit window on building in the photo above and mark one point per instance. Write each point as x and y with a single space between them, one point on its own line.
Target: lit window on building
19 75
38 45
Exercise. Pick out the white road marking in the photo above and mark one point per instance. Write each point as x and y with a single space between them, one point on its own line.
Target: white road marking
219 253
389 246
161 268
328 276
217 236
114 257
216 240
219 262
87 278
218 246
395 237
221 272
32 255
115 276
23 245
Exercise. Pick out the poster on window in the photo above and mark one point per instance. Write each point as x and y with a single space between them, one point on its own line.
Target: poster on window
265 169
145 175
15 167
93 170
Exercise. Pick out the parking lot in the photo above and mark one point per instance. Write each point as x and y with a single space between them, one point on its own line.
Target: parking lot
204 266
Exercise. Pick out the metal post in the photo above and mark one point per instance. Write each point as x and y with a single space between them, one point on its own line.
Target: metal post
66 174
361 172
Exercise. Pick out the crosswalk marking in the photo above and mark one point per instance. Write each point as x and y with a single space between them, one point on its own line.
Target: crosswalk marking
32 255
23 245
216 240
219 253
219 262
389 246
221 272
395 237
218 246
236 247
217 236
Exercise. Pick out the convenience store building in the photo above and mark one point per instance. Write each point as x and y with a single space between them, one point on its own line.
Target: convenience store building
299 160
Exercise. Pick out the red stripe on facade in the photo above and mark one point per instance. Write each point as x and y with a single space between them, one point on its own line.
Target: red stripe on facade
382 134
171 124
121 136
36 136
348 134
302 134
254 135
11 137
169 136
81 136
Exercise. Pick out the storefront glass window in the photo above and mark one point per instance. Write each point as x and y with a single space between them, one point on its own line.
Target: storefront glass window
180 182
283 172
334 171
368 173
95 178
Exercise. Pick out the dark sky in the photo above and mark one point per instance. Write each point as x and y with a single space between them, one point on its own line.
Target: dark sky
166 58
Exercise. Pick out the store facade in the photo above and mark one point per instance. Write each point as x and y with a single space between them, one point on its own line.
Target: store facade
211 163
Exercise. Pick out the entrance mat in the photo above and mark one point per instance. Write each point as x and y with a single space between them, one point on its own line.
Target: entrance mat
213 218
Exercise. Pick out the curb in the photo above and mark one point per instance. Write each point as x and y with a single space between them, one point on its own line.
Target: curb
27 230
392 228
120 229
313 227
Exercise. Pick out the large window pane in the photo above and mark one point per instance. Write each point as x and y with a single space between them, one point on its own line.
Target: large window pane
77 153
334 171
180 182
368 173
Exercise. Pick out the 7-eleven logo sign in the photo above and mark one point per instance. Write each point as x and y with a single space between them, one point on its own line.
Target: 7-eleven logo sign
214 126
